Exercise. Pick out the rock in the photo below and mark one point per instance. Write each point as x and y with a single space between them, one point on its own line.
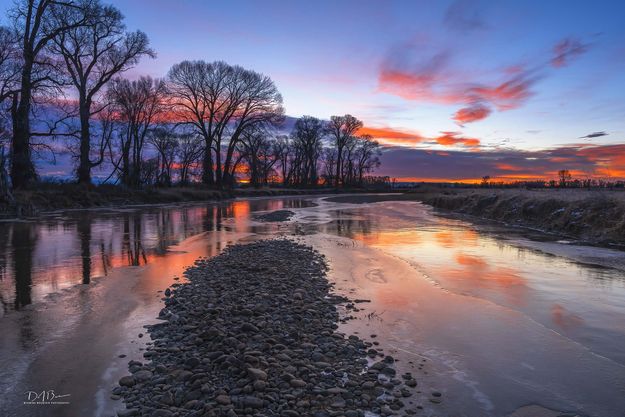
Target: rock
127 381
297 383
259 385
253 332
167 398
257 374
252 402
161 413
222 399
192 362
130 412
142 375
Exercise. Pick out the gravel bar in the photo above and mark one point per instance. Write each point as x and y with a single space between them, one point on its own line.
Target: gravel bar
254 333
275 216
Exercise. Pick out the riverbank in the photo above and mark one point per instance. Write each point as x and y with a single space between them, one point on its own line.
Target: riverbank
591 216
254 332
51 197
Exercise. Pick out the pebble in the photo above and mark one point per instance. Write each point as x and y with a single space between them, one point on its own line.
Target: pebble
253 331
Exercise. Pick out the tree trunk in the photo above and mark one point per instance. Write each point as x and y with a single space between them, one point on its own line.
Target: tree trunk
207 166
338 167
5 189
84 165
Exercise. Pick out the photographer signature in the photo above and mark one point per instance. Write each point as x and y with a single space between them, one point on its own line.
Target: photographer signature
45 397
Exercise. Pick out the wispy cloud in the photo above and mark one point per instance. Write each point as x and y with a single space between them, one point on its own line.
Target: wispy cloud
464 15
417 73
565 50
594 135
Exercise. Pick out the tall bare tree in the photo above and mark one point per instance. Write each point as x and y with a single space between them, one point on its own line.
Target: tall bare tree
9 72
342 129
37 23
256 148
307 135
258 104
283 150
9 65
189 152
222 101
138 105
366 156
166 144
93 54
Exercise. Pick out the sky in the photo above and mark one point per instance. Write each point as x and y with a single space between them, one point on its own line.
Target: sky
454 90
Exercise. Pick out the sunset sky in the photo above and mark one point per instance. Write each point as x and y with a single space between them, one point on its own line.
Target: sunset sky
455 89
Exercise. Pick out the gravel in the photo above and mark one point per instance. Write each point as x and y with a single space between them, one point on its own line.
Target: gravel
275 216
254 333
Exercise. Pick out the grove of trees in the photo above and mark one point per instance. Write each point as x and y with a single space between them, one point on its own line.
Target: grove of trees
63 90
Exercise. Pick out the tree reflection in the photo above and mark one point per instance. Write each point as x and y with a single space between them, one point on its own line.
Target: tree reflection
84 235
23 240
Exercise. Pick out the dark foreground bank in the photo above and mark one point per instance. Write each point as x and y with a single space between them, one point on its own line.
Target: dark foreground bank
49 197
254 333
595 217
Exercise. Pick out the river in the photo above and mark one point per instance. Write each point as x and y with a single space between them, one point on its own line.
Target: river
492 317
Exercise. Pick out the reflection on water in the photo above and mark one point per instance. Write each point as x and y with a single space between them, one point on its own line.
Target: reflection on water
44 256
457 294
582 302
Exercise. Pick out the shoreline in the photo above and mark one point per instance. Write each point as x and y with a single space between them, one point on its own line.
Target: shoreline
240 339
72 197
595 218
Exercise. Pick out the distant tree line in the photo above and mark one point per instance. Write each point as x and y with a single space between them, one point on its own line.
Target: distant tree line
565 179
62 90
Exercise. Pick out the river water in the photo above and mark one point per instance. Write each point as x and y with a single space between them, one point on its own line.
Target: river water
493 318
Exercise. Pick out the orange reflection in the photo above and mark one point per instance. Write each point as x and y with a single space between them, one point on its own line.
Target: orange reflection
565 319
445 239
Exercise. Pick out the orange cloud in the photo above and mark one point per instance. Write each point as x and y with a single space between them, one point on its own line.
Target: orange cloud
472 113
390 136
454 139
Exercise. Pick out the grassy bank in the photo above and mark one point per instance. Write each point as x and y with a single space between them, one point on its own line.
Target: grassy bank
594 216
49 197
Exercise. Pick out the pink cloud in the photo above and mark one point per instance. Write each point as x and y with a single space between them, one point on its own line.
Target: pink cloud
471 113
565 50
432 78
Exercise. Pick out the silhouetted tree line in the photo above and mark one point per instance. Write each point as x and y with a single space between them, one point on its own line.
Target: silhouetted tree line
61 89
565 180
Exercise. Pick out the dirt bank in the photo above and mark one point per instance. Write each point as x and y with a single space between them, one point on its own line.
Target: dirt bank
596 217
50 197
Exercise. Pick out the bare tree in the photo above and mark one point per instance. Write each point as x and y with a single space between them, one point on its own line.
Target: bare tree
5 191
189 152
222 101
259 104
283 151
328 157
37 23
9 71
367 156
256 148
564 176
138 104
9 65
166 144
307 136
341 129
93 54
